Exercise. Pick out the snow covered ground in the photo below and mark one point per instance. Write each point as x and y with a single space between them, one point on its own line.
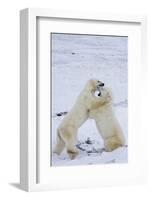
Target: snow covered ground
76 59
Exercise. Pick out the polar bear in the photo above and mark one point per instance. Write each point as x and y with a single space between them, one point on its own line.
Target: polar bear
67 131
106 121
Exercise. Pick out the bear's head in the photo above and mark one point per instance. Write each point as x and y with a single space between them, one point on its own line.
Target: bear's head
94 84
101 98
93 102
104 93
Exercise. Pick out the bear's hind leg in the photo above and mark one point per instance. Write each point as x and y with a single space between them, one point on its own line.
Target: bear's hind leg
69 136
60 145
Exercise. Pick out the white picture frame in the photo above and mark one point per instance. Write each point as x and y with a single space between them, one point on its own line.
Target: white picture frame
29 113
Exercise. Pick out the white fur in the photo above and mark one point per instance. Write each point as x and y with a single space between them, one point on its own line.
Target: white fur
106 121
67 131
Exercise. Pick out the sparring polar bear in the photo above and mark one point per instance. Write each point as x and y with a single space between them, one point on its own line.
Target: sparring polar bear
67 131
106 121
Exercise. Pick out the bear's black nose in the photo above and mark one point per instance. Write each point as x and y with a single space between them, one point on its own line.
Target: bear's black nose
101 84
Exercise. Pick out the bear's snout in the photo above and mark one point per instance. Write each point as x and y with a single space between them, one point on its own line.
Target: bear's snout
101 84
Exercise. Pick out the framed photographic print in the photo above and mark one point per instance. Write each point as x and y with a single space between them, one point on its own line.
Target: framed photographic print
81 77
